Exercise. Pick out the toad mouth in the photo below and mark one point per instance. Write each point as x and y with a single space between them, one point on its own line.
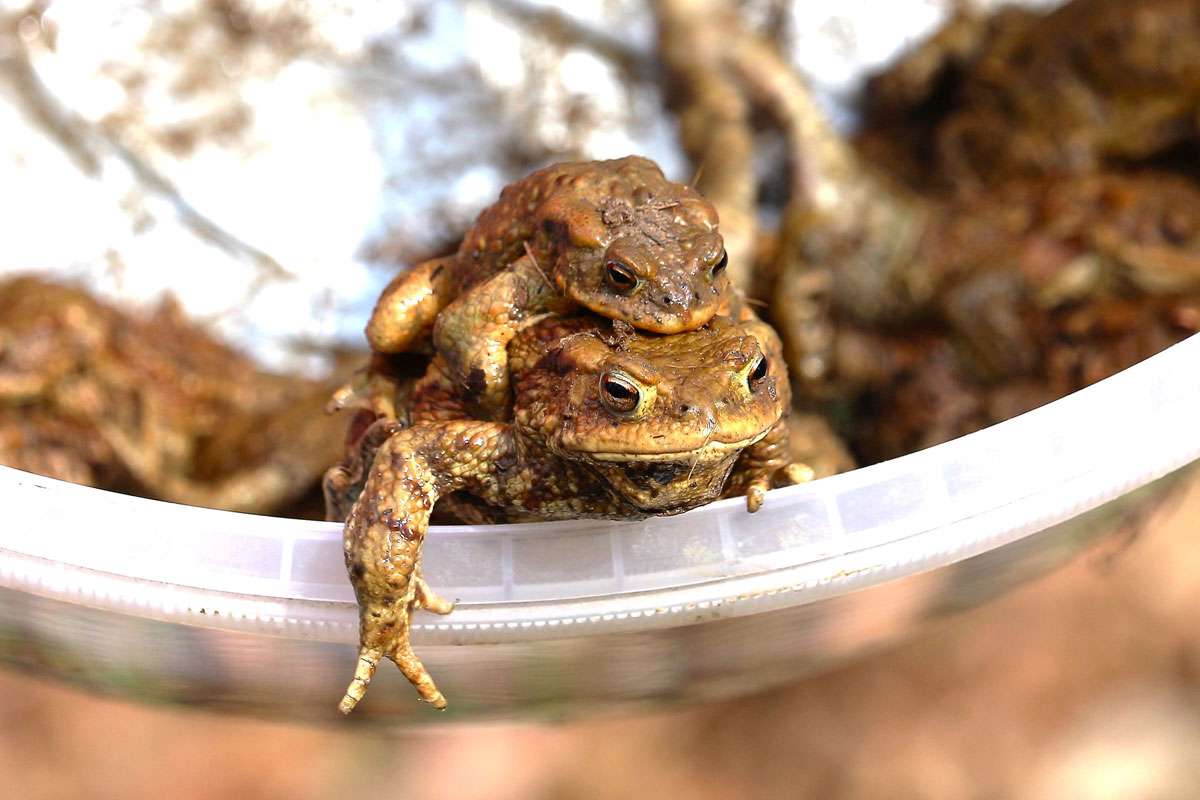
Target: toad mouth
709 450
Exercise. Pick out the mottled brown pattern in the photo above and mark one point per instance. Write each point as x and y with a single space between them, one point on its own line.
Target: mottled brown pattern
1026 92
1046 184
548 243
929 390
988 270
151 404
1029 292
708 403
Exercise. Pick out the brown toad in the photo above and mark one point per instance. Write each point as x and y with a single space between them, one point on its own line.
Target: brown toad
615 237
150 404
606 425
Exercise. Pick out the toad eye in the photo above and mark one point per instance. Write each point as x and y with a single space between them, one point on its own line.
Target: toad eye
720 266
758 372
621 277
619 393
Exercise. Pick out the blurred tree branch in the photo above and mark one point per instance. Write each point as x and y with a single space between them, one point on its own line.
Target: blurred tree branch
88 144
560 27
714 119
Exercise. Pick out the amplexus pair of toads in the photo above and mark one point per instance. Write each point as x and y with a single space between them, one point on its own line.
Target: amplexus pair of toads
590 360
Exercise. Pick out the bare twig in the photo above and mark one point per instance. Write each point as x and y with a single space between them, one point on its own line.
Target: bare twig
37 103
560 27
714 120
86 144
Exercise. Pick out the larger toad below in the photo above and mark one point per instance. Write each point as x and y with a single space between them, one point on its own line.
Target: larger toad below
606 425
615 237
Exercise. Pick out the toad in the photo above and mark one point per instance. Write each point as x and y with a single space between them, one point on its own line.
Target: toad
606 424
615 237
151 404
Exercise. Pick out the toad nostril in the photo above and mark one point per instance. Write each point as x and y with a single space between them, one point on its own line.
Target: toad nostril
685 409
666 301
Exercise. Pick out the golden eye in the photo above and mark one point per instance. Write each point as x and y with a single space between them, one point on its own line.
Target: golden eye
720 266
759 371
620 276
619 393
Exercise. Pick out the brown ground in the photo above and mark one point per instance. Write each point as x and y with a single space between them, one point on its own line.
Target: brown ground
1081 685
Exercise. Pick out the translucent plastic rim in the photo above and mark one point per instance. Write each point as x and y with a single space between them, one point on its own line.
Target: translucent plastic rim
545 580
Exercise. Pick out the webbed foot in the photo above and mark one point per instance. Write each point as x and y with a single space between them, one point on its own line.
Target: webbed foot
410 665
388 629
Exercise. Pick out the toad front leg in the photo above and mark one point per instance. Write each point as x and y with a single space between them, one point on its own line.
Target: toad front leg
409 305
387 524
765 463
473 333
